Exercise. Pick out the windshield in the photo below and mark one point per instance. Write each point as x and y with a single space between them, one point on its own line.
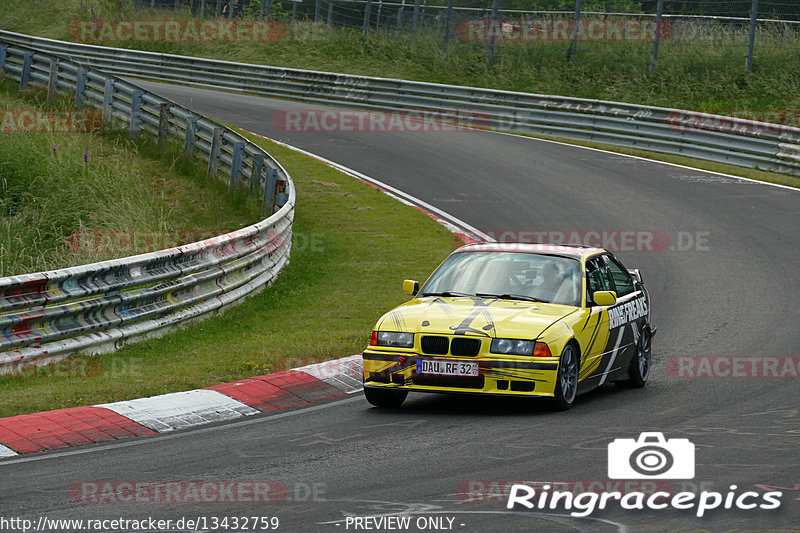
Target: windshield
510 275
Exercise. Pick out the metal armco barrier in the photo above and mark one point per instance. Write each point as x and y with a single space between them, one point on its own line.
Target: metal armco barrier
710 137
99 307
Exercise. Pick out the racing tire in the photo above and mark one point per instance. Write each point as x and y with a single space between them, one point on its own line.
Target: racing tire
385 397
566 379
641 363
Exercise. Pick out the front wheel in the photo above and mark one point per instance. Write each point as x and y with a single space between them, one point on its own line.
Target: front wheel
567 379
385 397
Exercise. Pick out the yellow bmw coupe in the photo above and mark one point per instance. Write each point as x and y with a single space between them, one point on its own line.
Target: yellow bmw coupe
514 320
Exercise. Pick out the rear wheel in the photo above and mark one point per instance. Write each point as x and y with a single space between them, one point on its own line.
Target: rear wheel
639 370
385 397
567 379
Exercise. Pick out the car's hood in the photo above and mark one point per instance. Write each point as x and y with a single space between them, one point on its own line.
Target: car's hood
474 316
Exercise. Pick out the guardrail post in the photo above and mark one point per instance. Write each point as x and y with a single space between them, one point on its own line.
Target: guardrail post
230 9
415 20
268 194
138 5
219 8
52 80
108 99
177 5
294 11
573 45
136 108
330 14
163 122
268 12
751 39
3 52
80 88
317 11
202 8
213 157
255 173
280 197
236 163
26 70
191 128
152 4
657 36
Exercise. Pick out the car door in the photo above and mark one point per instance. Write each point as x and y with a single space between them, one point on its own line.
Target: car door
593 333
626 317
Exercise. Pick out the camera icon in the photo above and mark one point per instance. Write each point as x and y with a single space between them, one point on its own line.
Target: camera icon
651 457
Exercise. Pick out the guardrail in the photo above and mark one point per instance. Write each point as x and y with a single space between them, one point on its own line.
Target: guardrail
716 138
101 306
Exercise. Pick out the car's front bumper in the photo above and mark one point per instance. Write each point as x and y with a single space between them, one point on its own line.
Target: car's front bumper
505 377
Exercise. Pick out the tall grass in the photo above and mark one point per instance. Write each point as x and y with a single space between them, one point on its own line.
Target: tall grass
701 66
54 186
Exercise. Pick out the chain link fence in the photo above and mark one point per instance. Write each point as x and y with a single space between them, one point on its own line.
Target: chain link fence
711 33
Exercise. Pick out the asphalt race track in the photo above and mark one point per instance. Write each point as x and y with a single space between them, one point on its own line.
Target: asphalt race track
723 285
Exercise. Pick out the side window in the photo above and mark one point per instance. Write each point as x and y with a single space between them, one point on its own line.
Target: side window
622 280
597 279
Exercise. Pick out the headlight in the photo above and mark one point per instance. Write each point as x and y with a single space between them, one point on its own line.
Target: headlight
395 339
512 346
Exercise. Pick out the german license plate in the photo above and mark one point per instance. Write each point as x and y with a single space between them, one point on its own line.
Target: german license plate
446 367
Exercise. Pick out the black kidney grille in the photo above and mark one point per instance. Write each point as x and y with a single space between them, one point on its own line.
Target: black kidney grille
465 347
434 344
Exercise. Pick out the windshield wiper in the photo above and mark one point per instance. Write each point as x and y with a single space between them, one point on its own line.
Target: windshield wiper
508 296
448 294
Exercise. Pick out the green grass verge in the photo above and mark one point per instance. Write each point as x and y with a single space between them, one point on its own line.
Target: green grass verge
348 261
72 198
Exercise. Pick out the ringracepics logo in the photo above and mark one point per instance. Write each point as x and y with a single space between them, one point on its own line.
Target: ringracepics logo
651 456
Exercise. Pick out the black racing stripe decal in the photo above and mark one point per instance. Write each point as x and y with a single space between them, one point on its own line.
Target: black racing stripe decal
593 338
479 307
489 320
588 318
445 307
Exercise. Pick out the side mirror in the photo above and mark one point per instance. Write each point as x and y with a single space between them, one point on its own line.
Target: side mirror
605 298
410 286
636 274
